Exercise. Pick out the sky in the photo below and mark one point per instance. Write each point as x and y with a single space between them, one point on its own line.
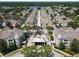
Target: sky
40 0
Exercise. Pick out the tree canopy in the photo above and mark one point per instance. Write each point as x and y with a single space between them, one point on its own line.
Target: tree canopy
75 45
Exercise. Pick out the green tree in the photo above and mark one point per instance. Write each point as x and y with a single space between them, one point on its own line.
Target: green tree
27 27
73 24
62 45
75 46
11 46
9 24
29 51
3 46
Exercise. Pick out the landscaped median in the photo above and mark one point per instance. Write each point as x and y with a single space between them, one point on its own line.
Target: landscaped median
13 52
61 52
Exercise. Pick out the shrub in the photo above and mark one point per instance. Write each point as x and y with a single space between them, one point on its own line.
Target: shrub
69 51
12 46
62 45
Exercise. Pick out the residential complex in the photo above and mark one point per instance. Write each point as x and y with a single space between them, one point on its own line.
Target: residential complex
55 28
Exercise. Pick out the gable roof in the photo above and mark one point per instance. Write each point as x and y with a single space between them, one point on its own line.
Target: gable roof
38 39
9 34
68 33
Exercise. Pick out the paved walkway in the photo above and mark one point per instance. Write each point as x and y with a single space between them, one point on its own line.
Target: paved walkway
18 54
56 54
29 41
64 54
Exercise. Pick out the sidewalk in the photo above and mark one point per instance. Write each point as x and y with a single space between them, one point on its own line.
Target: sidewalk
16 53
61 52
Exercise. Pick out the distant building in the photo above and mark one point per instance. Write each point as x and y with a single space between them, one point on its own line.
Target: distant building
38 40
14 23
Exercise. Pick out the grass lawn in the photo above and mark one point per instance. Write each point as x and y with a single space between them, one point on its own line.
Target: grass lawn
67 50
